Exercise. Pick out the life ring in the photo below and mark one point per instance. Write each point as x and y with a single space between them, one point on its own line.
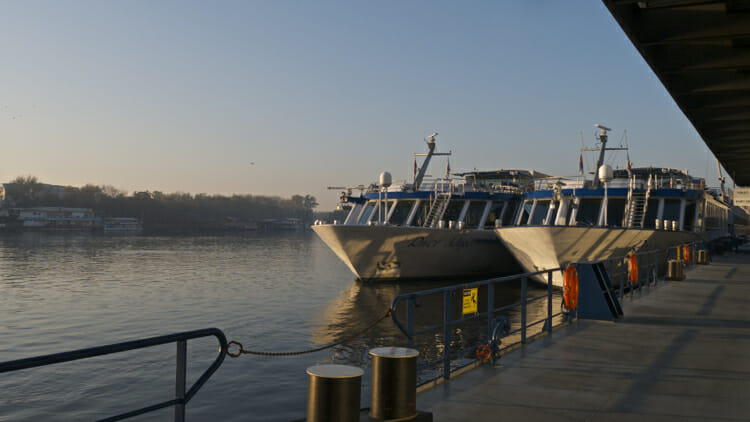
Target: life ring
686 252
570 287
633 268
484 353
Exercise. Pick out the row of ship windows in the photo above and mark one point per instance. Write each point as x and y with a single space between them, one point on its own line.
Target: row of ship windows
589 211
401 210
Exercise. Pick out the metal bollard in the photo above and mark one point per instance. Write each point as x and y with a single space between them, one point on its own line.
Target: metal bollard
394 383
333 393
702 257
674 270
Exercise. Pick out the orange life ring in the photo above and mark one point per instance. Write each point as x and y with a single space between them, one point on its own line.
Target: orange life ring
484 353
686 252
570 287
633 268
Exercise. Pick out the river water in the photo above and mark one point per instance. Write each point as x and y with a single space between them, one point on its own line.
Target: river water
271 292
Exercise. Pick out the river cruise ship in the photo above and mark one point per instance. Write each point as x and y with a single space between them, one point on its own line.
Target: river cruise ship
567 220
429 229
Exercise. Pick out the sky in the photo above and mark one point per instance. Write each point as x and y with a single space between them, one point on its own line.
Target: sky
280 97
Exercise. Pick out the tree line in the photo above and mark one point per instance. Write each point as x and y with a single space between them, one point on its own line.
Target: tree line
163 212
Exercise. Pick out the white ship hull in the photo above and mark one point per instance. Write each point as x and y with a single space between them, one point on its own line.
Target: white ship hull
395 252
545 247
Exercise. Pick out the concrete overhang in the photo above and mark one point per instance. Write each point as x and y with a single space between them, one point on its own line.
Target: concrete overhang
700 50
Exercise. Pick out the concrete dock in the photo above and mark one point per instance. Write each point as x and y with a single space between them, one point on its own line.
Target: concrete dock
681 352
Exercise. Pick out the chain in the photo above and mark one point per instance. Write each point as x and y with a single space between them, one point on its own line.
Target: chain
242 351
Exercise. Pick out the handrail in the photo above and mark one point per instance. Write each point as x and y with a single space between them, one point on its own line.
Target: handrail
615 266
180 338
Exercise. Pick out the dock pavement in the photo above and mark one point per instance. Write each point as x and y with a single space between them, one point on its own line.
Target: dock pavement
681 352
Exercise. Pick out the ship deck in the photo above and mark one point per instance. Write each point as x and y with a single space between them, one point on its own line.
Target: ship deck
681 352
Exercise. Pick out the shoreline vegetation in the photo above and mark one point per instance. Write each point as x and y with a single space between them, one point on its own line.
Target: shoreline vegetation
166 213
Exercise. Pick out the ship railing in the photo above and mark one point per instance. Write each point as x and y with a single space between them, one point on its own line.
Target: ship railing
493 188
448 186
566 182
182 395
448 342
686 252
460 186
634 182
666 182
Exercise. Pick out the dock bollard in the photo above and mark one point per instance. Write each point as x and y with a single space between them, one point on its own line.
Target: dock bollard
394 383
333 393
674 269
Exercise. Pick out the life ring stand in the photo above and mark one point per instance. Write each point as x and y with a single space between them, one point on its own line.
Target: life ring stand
686 253
570 288
484 353
633 268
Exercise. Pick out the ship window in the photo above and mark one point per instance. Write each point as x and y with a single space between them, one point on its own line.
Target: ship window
474 214
367 212
588 211
401 213
453 210
652 211
689 216
615 211
525 210
509 213
381 210
540 213
672 209
714 218
494 214
421 216
386 207
553 214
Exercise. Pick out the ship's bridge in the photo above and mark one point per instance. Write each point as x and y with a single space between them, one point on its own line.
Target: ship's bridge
700 50
501 179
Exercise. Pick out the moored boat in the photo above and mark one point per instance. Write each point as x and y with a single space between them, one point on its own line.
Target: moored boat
567 220
428 229
126 225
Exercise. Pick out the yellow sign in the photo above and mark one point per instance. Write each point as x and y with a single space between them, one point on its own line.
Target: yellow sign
470 301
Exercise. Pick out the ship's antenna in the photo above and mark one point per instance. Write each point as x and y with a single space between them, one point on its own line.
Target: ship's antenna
581 172
430 140
603 139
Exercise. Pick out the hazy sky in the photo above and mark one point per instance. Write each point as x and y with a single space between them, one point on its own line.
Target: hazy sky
187 95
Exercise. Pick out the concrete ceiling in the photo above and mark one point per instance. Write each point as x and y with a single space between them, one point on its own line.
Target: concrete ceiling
700 50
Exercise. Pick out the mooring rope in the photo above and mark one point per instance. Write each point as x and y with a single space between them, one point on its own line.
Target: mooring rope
242 350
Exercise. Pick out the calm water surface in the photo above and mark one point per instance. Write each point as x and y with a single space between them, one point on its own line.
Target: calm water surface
281 292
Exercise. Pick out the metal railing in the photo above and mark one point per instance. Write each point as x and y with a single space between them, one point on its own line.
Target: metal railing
634 182
647 275
617 267
182 397
692 248
448 186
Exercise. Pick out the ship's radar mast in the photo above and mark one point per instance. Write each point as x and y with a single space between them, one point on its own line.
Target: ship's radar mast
430 140
603 140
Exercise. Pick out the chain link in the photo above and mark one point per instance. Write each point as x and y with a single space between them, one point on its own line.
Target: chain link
242 351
